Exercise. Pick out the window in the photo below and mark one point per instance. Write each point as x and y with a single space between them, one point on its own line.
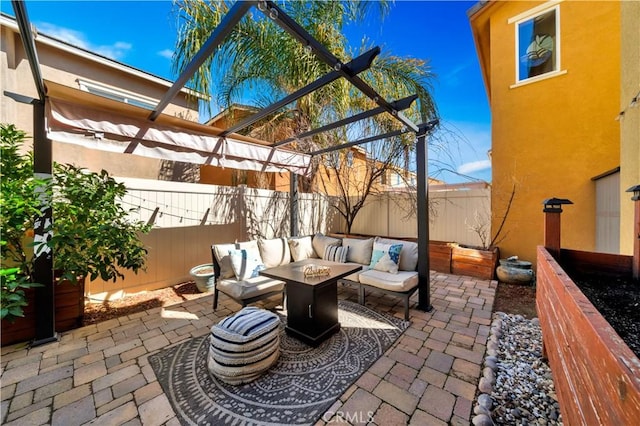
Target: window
117 95
537 44
350 159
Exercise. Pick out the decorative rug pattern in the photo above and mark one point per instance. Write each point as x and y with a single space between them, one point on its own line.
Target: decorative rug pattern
299 389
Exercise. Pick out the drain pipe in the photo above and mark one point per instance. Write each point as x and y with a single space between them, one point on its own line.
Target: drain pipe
552 210
636 232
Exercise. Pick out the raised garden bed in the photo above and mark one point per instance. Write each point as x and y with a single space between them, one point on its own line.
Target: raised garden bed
596 374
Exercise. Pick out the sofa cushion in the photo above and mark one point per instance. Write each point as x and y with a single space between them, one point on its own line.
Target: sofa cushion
221 252
402 281
408 254
246 263
359 250
250 287
385 257
355 275
274 252
301 248
336 254
321 241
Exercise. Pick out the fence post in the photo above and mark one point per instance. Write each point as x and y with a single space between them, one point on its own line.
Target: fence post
636 231
552 210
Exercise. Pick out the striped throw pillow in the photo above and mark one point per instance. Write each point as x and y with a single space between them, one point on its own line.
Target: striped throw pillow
336 253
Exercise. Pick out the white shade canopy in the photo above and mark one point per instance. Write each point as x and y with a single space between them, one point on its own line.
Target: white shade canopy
124 129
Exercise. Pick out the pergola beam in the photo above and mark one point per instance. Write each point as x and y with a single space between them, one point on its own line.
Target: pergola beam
322 53
358 142
356 66
217 36
400 105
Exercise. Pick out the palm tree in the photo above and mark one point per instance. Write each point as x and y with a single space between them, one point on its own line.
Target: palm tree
258 57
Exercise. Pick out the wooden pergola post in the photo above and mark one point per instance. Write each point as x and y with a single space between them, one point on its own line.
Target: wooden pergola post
636 232
552 232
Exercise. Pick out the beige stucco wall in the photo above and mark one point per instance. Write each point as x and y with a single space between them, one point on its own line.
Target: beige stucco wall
630 125
551 136
66 68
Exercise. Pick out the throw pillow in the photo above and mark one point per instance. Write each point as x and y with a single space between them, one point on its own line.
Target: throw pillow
408 255
301 248
385 257
359 250
320 243
246 263
336 254
221 252
274 252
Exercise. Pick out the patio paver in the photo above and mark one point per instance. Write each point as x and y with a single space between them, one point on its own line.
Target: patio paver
99 374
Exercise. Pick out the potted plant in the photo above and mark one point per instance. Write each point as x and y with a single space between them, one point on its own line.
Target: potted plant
91 234
203 276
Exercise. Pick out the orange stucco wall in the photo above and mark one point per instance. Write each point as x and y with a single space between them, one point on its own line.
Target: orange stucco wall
550 137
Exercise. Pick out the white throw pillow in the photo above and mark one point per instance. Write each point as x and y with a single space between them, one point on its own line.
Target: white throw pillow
408 255
301 248
246 263
321 241
359 250
274 252
385 257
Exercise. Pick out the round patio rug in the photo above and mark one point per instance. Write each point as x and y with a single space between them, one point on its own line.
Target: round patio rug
299 389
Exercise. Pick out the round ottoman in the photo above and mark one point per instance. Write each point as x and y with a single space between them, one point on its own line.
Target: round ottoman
244 345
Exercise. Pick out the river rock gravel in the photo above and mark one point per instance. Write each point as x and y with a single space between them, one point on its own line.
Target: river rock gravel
516 387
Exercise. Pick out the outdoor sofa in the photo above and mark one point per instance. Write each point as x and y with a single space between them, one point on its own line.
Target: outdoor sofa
388 265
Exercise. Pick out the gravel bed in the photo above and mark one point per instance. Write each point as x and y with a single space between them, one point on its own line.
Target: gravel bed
516 387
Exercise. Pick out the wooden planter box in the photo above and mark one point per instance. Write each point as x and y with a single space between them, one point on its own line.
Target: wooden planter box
69 311
440 256
474 262
596 375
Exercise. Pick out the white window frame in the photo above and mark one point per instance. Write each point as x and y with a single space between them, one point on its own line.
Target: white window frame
527 16
117 94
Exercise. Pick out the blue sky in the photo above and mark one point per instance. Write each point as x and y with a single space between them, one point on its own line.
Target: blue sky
142 34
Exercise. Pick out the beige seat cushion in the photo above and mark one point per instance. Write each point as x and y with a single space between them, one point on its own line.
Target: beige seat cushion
359 250
302 248
408 254
221 252
250 287
402 281
274 252
321 241
354 276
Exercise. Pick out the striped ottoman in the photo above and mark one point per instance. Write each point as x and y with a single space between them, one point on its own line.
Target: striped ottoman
244 345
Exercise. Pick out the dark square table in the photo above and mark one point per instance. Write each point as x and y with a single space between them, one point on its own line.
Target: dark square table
312 302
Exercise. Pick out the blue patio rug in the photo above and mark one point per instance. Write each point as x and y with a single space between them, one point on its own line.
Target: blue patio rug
298 390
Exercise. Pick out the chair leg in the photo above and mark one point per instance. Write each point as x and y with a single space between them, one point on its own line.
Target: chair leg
360 294
215 299
406 307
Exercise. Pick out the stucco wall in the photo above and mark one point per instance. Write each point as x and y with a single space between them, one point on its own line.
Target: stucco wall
630 126
65 68
550 137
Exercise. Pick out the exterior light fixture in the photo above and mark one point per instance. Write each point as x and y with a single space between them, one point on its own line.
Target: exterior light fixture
554 205
337 66
636 192
273 14
262 6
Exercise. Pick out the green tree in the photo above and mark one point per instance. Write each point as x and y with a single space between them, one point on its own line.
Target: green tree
260 58
91 234
19 208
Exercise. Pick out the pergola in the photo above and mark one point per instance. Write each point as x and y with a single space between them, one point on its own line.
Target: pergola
205 149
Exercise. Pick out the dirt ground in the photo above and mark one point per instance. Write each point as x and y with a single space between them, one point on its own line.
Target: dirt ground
516 299
510 298
102 311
